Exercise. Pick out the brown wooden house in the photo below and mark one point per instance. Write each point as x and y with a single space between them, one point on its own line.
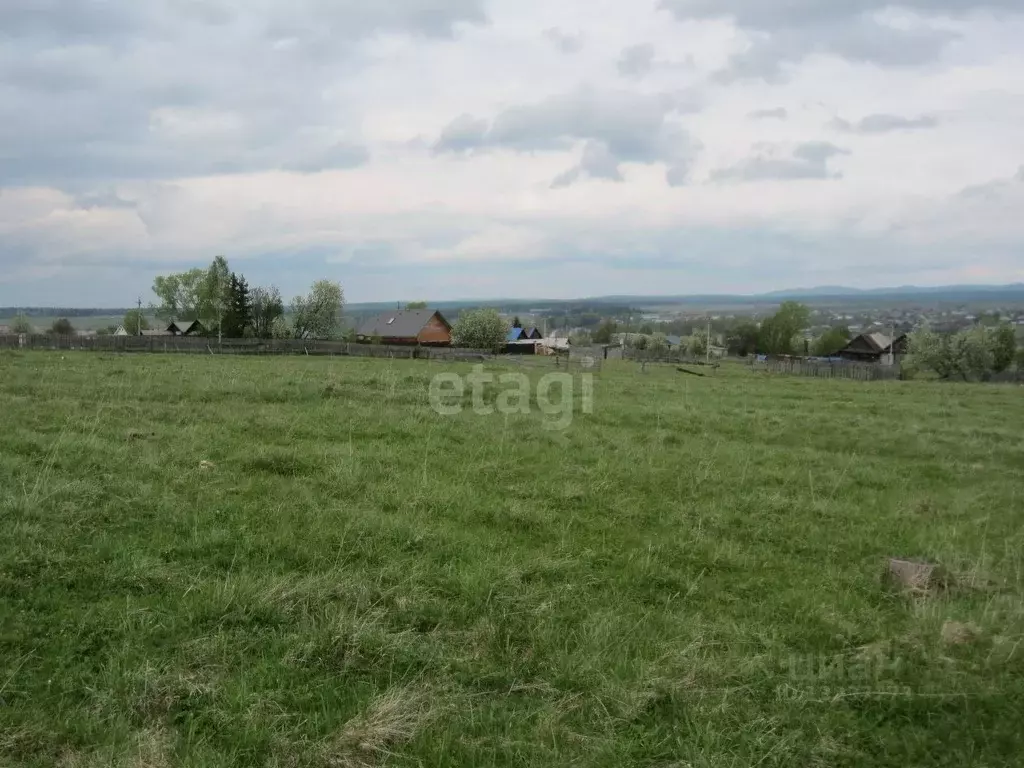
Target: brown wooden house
874 348
408 327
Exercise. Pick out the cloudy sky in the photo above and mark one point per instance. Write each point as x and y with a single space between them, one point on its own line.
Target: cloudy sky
442 149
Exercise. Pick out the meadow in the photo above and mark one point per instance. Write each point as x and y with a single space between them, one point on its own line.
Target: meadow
227 561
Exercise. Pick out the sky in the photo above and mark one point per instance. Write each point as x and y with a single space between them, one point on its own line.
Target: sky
454 149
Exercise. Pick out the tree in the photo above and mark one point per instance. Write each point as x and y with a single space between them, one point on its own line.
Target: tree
516 323
265 307
62 327
831 341
927 350
21 325
135 322
604 334
318 313
181 295
238 316
967 354
743 339
638 342
1004 348
972 353
698 344
416 305
280 328
480 329
779 332
658 344
215 298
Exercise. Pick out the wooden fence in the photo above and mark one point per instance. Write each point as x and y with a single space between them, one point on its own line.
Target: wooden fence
205 346
829 370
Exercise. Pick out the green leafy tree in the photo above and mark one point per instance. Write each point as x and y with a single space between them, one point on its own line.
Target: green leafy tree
1004 348
743 339
639 342
280 328
516 322
603 335
21 325
318 313
780 332
62 327
972 353
215 296
416 305
135 321
967 354
480 329
266 307
698 343
658 344
929 351
181 295
830 342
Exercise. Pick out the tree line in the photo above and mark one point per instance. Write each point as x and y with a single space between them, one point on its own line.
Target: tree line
780 334
228 307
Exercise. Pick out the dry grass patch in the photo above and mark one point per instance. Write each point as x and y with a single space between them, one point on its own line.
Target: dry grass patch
392 719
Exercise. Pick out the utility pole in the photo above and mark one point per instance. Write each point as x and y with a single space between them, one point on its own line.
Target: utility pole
707 360
138 317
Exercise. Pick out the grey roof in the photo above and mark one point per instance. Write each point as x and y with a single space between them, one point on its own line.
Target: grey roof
184 326
674 341
880 340
399 323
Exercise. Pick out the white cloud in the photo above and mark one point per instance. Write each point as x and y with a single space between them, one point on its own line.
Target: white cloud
459 140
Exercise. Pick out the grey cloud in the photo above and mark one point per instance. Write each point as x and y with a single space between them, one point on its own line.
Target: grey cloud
994 189
565 42
462 134
339 156
637 60
597 163
628 127
758 14
881 123
809 160
780 113
787 32
96 91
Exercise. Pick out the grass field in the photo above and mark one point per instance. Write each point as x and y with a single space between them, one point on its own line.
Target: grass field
211 561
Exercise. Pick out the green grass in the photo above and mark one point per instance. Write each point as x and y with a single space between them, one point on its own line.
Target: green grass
690 576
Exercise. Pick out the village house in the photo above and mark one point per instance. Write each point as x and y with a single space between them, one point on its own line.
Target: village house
875 348
186 328
408 327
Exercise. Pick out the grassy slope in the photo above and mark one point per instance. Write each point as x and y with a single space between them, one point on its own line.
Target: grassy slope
688 576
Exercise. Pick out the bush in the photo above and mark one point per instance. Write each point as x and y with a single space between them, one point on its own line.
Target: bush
62 327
